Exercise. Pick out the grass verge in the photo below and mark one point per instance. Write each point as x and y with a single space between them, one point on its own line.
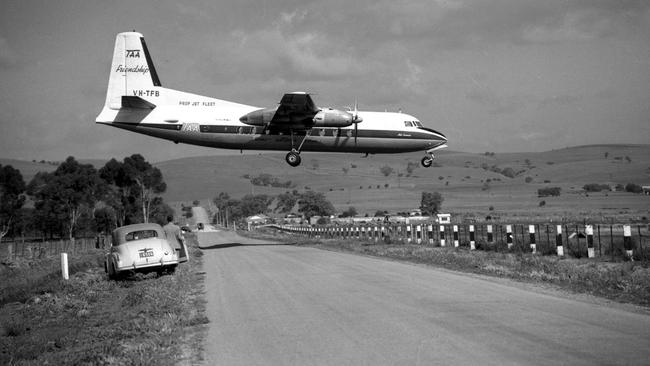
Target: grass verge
141 320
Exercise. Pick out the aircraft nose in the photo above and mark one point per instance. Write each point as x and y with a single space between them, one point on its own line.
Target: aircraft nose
435 135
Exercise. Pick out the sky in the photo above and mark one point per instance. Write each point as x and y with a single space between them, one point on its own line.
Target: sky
492 75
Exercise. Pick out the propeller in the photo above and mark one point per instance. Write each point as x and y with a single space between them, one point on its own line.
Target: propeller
356 120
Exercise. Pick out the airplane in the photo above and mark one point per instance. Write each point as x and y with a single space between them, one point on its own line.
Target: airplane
137 102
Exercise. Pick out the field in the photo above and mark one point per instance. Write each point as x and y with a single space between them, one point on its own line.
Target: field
90 320
469 183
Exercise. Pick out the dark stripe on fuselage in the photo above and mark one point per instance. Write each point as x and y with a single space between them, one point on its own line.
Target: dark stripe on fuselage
323 132
251 138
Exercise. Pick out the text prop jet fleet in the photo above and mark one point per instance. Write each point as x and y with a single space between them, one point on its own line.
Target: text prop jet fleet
137 102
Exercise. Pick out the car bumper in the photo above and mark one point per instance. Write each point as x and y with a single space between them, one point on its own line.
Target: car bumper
136 266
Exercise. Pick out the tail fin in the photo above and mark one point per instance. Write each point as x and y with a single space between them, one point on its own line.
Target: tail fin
132 71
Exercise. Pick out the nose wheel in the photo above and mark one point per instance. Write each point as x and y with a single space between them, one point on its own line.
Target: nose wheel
293 158
427 161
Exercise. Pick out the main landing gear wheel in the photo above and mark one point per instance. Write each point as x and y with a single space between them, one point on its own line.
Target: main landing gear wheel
427 161
293 158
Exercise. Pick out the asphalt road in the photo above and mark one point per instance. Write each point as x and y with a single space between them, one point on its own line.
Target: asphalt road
287 305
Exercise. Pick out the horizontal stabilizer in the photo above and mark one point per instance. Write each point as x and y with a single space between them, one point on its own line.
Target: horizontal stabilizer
132 101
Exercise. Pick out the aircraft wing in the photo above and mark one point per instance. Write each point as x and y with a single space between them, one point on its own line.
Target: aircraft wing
295 107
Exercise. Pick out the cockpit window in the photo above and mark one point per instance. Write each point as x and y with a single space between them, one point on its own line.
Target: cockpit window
413 124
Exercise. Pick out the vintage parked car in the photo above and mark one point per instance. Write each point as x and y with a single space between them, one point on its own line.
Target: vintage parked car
140 247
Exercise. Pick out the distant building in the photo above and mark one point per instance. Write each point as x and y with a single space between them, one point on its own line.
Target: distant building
646 190
444 218
292 219
260 219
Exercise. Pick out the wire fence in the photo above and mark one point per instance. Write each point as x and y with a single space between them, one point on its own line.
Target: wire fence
548 239
12 250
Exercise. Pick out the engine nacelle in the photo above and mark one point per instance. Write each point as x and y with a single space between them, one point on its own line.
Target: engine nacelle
259 117
332 118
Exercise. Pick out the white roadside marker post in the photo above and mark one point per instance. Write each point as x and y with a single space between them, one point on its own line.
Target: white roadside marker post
442 235
472 242
558 241
589 230
533 243
627 241
456 236
509 236
64 266
490 237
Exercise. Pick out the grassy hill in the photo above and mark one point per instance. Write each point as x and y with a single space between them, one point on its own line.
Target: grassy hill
470 183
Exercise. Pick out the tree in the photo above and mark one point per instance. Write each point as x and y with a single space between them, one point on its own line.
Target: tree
255 204
147 179
350 212
314 204
386 170
69 191
286 201
430 203
135 185
634 188
12 187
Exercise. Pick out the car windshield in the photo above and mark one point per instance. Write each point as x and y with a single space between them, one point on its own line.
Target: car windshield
141 234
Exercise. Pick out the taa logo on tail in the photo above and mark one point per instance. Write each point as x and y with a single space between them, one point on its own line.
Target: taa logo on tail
133 53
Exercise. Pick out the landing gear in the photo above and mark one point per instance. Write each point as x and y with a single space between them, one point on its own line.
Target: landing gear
427 161
293 158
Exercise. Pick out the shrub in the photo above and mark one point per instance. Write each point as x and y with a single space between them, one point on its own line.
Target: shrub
386 170
528 179
634 188
508 172
595 187
549 191
542 203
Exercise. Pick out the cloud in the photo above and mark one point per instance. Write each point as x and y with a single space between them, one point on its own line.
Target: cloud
8 56
558 100
497 104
